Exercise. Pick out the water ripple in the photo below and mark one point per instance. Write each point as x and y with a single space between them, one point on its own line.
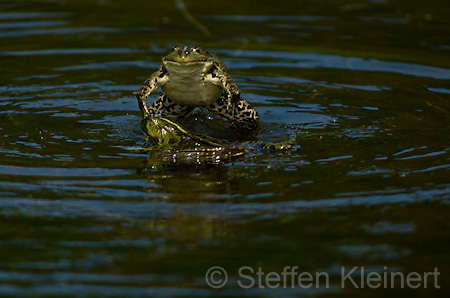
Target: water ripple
33 15
59 31
61 172
156 209
314 60
72 51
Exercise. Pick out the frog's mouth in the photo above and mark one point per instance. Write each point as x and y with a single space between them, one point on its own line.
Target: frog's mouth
187 67
184 62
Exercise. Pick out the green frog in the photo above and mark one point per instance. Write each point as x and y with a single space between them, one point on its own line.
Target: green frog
194 77
170 143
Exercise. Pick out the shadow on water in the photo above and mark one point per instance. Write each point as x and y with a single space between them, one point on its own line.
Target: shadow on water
365 84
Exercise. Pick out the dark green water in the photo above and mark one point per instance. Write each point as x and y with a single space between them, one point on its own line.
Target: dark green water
366 82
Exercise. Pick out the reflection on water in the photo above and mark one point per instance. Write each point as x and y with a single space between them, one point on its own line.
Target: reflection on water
365 84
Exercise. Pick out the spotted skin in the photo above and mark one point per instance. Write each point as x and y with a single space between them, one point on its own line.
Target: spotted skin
148 87
241 114
164 107
215 88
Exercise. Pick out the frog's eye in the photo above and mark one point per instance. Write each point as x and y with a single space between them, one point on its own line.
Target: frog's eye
195 49
175 48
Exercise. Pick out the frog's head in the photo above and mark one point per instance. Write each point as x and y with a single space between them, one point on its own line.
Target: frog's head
184 54
162 133
190 61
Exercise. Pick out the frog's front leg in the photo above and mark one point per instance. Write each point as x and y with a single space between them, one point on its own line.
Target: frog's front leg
227 83
157 79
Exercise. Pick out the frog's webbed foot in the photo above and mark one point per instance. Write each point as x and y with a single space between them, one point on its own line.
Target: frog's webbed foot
146 89
142 102
241 115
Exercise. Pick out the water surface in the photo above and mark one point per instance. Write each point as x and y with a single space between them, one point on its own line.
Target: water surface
365 85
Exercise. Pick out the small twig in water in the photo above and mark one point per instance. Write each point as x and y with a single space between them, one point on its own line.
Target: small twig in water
437 107
182 7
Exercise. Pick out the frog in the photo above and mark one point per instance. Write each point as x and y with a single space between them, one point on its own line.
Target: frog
191 77
169 143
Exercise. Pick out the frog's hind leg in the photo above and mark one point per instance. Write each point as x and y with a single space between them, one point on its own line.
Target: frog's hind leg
240 114
163 106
